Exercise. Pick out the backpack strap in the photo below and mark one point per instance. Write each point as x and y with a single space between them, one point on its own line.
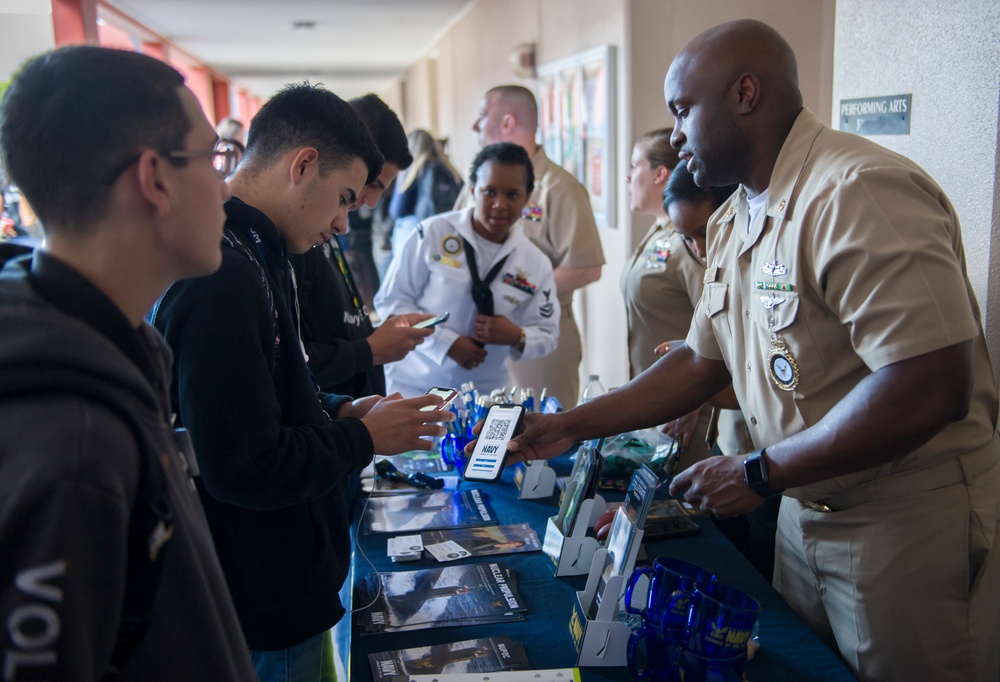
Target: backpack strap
257 259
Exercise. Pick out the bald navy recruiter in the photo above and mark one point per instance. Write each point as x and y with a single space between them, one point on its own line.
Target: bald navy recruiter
559 220
838 304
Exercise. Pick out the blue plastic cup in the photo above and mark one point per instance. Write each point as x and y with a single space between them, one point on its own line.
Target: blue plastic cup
695 668
672 584
720 621
651 657
654 649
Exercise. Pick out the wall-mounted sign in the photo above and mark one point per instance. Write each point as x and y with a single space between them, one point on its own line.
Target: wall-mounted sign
888 115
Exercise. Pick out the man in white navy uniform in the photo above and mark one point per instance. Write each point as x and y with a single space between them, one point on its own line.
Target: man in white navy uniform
837 302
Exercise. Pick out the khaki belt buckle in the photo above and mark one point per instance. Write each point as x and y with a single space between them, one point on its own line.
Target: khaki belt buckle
817 506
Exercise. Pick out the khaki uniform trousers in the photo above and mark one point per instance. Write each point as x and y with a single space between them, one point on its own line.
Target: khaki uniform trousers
906 585
559 371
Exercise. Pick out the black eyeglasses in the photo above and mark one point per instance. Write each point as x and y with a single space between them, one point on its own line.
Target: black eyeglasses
224 158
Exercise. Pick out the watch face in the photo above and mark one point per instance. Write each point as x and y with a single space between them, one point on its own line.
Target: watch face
754 469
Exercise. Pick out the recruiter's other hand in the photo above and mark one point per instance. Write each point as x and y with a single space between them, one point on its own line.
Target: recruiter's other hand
394 338
682 428
665 347
466 352
541 439
717 486
497 329
358 408
397 424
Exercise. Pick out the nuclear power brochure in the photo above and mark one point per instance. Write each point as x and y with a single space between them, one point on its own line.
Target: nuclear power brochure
488 655
483 541
438 597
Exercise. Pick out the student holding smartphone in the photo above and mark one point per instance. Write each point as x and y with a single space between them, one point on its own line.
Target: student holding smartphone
477 264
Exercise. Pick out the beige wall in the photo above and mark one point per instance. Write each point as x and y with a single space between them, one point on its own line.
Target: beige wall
946 55
23 34
474 56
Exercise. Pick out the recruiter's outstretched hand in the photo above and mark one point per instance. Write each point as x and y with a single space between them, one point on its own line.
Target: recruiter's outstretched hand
397 424
540 439
396 337
717 486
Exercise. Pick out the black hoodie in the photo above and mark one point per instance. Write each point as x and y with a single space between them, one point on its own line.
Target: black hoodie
70 444
272 462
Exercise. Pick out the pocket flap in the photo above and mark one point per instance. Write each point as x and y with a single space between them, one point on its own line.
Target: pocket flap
714 298
784 306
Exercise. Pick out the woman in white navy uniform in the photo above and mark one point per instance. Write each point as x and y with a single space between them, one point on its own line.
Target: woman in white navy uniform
502 299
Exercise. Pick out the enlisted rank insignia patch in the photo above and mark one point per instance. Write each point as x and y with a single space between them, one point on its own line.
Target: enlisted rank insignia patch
519 281
532 213
547 309
451 245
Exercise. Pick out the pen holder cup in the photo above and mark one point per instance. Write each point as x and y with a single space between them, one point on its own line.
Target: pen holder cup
453 449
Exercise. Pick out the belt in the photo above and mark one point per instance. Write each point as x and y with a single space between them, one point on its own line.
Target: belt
964 467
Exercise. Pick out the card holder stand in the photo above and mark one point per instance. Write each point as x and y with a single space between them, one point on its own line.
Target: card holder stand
573 554
603 640
535 480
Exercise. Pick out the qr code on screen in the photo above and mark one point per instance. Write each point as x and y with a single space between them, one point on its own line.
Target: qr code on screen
498 429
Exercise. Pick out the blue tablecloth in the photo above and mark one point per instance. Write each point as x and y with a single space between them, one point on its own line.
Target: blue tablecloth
789 649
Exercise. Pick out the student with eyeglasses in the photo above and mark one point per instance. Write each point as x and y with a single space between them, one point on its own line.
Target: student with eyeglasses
107 566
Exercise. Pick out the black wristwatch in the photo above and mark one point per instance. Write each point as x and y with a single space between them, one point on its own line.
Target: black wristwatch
755 474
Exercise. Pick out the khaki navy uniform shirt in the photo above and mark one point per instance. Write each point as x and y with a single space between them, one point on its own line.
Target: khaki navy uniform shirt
662 284
855 262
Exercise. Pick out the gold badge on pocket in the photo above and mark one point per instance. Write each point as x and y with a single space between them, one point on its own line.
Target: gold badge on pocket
781 365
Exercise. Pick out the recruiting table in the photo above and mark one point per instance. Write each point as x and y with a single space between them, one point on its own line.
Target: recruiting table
789 649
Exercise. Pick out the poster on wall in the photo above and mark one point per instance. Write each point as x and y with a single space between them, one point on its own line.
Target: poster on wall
577 109
548 102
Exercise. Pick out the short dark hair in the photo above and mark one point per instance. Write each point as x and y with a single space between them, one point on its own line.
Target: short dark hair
384 125
72 115
508 154
681 188
306 115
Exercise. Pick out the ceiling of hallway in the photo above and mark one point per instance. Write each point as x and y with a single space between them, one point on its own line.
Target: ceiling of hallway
352 47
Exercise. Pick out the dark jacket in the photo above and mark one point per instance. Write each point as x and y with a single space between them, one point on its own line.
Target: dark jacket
271 460
335 324
73 445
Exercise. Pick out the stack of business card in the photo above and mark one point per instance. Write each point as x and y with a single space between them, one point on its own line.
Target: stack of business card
406 548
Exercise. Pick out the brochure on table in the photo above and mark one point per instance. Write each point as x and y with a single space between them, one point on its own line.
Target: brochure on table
599 636
569 548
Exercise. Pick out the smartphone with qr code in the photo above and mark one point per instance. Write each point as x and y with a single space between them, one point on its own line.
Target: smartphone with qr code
490 453
432 321
448 395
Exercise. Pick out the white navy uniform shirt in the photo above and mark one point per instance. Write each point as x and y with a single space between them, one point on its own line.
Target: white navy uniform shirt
431 275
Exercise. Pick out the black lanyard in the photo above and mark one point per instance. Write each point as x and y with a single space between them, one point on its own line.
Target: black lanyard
481 294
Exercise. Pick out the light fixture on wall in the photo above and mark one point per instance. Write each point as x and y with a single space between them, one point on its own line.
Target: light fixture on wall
522 60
